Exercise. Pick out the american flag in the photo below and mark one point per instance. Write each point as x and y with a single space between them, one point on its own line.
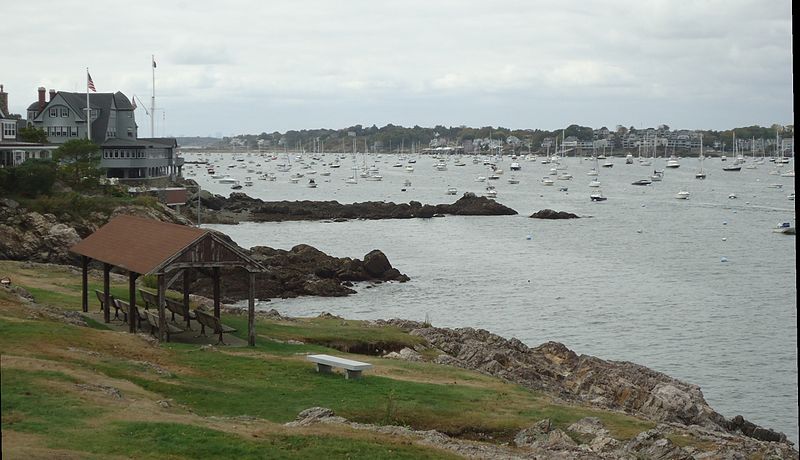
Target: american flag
90 83
133 102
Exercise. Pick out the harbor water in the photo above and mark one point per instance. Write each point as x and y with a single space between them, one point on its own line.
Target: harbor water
701 289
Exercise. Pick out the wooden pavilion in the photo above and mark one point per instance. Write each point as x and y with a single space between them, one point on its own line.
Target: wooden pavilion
169 251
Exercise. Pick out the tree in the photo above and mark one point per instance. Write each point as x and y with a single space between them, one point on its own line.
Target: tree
33 134
79 161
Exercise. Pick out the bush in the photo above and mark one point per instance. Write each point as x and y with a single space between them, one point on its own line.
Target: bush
34 177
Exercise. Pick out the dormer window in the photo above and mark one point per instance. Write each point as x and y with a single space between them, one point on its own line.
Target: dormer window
53 112
64 112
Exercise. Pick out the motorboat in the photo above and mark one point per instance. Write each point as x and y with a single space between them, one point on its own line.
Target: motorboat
513 180
673 163
608 164
595 183
682 195
451 191
480 179
629 159
642 182
547 181
785 228
227 180
248 181
733 167
564 176
515 166
311 184
657 175
236 186
598 196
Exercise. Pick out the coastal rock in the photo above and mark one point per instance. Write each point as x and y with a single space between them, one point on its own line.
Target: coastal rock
554 368
551 214
29 235
303 270
238 207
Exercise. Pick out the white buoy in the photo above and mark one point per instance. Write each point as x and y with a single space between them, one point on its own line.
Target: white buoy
724 239
529 237
734 211
724 222
639 231
723 259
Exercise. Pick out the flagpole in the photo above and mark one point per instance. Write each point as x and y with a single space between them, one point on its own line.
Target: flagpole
153 97
88 109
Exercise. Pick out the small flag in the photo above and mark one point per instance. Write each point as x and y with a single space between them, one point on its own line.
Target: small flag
154 63
133 102
90 83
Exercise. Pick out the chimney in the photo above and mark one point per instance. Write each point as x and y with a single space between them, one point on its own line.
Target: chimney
52 94
3 101
42 91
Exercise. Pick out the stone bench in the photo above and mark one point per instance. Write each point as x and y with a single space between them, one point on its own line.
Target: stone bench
326 362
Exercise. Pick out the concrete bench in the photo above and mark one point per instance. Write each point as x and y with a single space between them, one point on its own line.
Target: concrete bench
326 362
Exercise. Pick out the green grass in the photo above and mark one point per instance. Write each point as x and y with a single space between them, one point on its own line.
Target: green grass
180 441
29 404
345 335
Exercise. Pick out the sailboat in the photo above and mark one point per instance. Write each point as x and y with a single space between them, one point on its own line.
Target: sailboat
701 174
596 181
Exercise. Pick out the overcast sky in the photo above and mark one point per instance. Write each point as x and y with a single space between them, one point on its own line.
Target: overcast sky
242 66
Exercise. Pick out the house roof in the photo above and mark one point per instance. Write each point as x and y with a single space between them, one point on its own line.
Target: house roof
147 246
143 142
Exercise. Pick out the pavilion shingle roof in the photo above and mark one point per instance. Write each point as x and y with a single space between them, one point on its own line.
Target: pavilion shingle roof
136 244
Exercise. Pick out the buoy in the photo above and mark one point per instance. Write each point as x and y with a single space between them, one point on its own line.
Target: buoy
639 231
724 239
746 202
723 259
734 211
724 222
644 205
529 237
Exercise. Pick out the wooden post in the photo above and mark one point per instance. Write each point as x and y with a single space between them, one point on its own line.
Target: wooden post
85 283
162 318
132 318
216 291
251 312
106 293
186 273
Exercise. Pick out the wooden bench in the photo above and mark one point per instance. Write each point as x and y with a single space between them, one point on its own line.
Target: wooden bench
102 300
149 299
125 308
152 320
326 362
213 323
175 306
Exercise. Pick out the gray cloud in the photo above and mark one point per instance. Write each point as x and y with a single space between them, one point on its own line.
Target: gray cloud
249 66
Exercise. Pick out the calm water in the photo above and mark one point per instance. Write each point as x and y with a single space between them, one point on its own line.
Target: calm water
641 280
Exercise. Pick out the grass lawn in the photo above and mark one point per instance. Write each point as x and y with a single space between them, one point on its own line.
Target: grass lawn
209 390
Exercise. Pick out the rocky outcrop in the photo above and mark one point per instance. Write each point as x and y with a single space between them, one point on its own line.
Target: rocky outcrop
303 270
28 235
543 440
240 207
550 214
616 385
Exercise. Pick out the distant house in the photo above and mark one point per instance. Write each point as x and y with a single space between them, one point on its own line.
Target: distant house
14 152
113 127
